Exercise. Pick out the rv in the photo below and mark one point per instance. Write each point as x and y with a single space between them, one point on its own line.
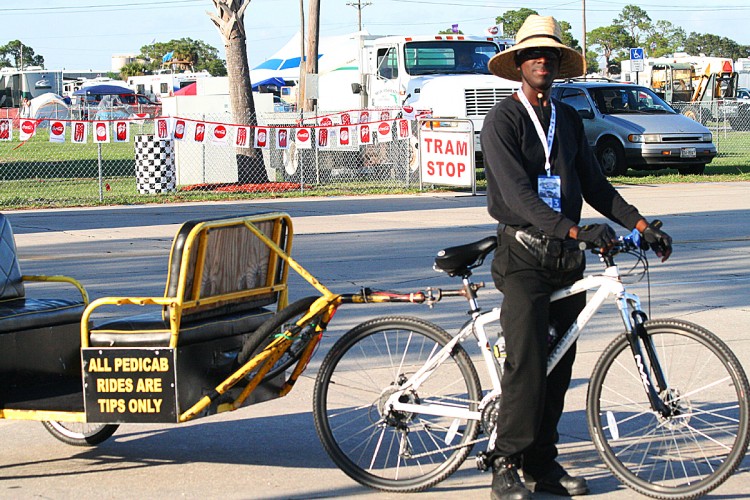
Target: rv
31 82
161 85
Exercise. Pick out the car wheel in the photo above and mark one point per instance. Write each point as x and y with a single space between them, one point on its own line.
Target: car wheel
611 157
697 169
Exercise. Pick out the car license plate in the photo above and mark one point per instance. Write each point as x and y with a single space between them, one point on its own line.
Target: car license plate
687 152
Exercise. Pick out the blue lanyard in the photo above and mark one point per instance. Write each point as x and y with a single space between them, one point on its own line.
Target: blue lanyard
547 145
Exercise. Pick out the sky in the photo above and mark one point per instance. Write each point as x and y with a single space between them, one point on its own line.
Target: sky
84 34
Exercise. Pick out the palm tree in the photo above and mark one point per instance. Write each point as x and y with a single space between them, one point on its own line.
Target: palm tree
229 19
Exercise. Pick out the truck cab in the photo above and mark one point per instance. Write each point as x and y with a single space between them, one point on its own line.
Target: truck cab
444 74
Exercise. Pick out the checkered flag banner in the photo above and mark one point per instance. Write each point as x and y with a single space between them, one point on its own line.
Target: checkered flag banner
154 165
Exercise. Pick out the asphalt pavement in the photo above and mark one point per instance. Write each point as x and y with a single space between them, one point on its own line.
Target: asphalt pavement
271 450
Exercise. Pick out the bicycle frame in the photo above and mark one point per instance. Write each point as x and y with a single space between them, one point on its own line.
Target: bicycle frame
607 284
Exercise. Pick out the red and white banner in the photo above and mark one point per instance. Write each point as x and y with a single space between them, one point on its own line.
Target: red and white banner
180 129
28 129
242 137
163 128
324 137
325 121
101 132
282 138
365 137
345 136
404 129
200 132
57 131
6 129
80 132
303 138
122 131
385 131
260 140
219 134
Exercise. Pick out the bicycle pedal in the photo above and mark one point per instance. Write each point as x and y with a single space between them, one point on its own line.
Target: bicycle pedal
483 461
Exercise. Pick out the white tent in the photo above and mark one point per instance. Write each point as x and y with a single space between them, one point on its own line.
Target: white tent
335 53
338 68
49 105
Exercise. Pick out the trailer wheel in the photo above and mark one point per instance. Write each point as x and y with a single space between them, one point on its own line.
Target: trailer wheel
80 434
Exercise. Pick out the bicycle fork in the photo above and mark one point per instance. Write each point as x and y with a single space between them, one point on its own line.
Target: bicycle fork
644 354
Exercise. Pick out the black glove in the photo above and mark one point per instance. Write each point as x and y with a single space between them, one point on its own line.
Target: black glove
597 235
657 240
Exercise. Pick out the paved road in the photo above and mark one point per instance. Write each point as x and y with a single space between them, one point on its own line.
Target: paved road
270 450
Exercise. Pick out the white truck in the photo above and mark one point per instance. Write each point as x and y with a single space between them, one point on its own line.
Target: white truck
444 74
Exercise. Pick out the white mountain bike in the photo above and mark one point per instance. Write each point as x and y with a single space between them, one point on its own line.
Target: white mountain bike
398 403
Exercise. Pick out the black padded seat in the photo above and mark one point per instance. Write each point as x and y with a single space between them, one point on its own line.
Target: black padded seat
150 330
25 313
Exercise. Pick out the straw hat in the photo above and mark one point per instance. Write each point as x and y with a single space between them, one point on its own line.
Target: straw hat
537 31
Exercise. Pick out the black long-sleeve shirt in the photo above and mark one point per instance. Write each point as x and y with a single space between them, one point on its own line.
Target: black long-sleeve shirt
514 159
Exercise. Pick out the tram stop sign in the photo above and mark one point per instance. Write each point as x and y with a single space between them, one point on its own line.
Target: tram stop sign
636 59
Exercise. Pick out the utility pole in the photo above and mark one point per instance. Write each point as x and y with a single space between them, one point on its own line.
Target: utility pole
583 44
313 34
301 85
359 5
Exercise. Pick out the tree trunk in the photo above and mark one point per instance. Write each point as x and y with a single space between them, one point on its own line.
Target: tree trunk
230 21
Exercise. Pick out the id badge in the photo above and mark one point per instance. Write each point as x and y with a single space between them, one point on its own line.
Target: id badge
549 191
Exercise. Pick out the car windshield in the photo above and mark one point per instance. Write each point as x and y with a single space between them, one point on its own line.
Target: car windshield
612 100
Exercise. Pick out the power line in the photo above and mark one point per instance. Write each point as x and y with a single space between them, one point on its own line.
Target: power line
74 9
359 5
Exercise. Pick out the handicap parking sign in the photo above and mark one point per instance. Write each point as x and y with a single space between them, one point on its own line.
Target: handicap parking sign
636 59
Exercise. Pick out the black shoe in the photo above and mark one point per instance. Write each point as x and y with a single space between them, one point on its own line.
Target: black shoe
556 481
506 483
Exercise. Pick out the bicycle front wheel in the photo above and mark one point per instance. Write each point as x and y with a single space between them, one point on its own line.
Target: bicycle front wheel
382 448
704 438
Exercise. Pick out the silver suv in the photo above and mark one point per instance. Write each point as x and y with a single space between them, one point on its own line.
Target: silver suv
630 126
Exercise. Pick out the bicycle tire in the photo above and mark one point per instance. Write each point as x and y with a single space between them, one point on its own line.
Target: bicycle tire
690 453
275 325
355 379
80 434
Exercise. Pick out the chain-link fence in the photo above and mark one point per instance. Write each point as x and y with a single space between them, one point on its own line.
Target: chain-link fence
66 161
63 162
728 120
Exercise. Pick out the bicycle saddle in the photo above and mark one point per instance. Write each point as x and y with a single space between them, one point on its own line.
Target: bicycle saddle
457 261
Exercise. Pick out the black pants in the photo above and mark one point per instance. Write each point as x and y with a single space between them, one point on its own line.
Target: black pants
532 403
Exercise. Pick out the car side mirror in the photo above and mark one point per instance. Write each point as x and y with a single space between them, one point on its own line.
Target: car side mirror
356 88
586 114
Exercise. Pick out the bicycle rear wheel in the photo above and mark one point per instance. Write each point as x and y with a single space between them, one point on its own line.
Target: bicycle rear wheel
385 449
694 450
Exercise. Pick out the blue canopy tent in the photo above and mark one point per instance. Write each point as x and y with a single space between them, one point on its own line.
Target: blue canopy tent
92 98
279 82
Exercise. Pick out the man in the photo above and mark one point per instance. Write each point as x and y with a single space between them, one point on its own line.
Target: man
539 170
